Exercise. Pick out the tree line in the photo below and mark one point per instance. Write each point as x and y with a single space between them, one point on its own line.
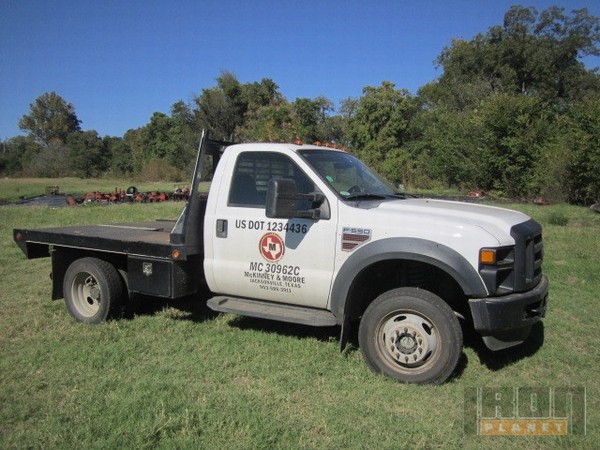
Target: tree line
514 112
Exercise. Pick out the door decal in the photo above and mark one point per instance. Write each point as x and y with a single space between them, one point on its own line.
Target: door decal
271 247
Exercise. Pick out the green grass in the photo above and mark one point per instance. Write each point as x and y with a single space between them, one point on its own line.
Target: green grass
178 376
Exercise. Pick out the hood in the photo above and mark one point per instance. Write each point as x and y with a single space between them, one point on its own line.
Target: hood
454 215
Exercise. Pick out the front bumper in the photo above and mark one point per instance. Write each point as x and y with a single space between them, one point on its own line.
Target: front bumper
507 320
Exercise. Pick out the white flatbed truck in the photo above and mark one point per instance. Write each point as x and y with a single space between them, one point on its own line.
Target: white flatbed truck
310 235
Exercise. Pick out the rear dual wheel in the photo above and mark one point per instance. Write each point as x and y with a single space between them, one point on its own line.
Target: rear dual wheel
411 335
93 290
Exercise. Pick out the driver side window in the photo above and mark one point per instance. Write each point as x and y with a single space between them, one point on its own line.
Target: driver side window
252 173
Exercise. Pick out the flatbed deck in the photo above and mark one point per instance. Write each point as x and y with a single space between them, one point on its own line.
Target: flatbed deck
150 238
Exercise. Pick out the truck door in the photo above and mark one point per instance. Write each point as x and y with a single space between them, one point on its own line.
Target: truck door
280 260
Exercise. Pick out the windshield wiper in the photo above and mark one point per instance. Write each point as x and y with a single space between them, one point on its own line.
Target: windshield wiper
366 196
401 195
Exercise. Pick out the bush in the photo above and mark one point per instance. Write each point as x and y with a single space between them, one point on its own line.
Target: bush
159 170
583 174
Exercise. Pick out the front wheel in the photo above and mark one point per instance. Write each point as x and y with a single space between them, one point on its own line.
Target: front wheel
411 335
93 290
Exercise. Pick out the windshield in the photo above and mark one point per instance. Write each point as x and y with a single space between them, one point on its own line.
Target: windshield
348 175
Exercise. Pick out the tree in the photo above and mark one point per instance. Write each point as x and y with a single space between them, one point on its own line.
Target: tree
51 162
121 162
506 114
379 129
185 135
50 120
156 137
530 54
221 109
271 123
263 93
227 109
444 145
152 142
514 131
166 145
310 117
582 143
17 155
88 156
182 113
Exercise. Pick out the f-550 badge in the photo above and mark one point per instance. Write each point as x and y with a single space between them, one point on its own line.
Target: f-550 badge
353 237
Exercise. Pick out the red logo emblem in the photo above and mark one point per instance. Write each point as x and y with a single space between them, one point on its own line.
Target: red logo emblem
271 247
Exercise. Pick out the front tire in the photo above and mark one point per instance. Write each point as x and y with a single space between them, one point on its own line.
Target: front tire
411 335
93 290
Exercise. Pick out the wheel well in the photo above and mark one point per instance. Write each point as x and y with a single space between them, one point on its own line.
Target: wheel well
62 258
383 276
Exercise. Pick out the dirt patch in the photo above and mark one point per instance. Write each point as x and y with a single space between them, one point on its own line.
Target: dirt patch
51 201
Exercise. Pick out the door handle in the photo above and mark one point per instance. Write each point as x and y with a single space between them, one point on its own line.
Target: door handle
221 228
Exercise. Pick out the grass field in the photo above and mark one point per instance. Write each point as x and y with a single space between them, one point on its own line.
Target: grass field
178 376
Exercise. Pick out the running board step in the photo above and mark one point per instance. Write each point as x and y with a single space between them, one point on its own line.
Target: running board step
273 311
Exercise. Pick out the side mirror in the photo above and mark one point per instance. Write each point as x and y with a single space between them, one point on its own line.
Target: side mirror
281 201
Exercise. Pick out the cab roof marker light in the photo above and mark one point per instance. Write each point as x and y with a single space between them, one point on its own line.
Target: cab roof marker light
330 145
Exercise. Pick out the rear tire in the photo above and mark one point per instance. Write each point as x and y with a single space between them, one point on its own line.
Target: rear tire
411 335
93 290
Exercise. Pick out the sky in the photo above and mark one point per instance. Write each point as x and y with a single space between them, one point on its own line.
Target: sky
119 61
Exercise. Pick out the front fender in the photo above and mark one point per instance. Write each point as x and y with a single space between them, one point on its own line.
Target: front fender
409 249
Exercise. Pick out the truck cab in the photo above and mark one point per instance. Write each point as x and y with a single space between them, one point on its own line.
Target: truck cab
300 228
